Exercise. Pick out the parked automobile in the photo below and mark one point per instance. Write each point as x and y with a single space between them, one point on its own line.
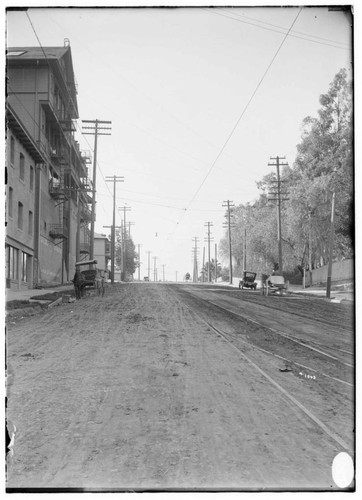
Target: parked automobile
248 281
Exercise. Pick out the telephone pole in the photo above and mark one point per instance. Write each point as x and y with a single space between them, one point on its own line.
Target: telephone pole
229 204
331 240
154 269
114 179
215 262
203 264
95 127
124 238
208 225
279 199
195 273
139 261
149 264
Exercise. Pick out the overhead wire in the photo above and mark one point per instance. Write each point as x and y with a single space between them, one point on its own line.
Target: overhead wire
156 103
242 113
77 125
307 35
212 11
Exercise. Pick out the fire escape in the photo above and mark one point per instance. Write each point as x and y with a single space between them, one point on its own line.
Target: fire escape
59 191
85 199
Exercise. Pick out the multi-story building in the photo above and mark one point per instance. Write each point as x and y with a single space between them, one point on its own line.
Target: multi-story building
48 191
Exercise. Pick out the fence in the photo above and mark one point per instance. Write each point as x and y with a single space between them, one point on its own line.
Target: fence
341 271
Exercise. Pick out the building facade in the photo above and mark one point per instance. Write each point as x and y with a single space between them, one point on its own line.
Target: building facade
48 190
102 251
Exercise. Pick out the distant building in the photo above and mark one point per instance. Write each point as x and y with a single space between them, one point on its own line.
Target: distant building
102 250
48 191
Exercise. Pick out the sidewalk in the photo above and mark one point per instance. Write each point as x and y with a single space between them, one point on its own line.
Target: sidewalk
337 293
32 292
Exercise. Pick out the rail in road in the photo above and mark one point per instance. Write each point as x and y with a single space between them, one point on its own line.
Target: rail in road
330 360
278 324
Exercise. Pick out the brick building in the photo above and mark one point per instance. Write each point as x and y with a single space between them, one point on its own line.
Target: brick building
48 190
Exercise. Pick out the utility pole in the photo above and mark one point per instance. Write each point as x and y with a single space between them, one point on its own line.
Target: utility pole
124 239
203 265
215 262
279 199
139 262
208 225
176 276
95 129
331 241
244 253
229 204
149 267
113 259
113 179
195 272
163 272
154 269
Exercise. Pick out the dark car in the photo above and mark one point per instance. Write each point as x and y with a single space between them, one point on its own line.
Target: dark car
248 281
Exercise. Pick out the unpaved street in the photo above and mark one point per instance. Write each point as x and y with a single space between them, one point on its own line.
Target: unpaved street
138 390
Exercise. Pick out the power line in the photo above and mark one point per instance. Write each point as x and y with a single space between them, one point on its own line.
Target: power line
243 111
275 30
96 128
307 35
156 103
76 123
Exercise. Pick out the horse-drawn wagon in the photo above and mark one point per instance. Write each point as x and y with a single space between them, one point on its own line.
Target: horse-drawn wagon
91 277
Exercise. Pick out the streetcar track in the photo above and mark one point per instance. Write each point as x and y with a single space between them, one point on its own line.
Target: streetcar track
238 339
282 334
296 313
305 410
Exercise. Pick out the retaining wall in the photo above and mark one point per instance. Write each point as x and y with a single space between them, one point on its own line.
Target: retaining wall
343 270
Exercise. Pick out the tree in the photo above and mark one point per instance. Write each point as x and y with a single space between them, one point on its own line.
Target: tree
326 154
205 270
126 250
324 164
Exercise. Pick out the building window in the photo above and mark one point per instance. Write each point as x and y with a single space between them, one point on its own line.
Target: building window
12 151
31 178
31 221
22 167
12 263
24 266
10 202
20 215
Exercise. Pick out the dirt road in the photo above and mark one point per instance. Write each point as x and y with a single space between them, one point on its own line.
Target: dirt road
136 391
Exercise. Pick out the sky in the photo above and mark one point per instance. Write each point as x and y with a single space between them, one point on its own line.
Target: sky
199 100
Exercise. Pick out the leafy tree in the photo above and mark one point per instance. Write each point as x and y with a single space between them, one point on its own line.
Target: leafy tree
325 157
128 252
324 164
205 270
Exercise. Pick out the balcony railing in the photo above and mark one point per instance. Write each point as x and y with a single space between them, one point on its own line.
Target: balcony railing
85 214
58 231
84 248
